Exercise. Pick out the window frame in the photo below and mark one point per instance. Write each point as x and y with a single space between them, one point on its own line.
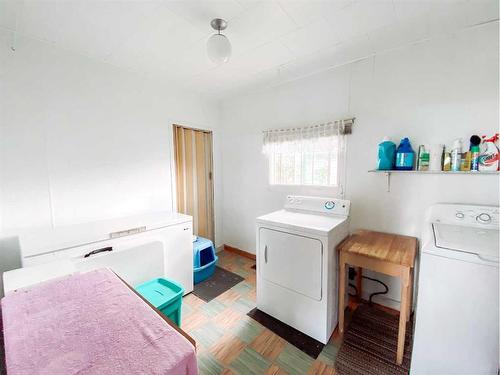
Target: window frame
337 190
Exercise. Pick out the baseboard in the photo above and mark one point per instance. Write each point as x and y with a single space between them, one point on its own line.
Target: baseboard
235 250
382 300
353 302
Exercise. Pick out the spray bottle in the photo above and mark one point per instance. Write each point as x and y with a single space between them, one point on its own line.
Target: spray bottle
489 157
475 141
456 155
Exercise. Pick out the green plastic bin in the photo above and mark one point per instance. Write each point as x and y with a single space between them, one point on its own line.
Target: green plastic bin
165 295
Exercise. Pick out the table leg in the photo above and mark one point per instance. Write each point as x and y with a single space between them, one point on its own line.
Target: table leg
359 283
410 296
341 294
405 280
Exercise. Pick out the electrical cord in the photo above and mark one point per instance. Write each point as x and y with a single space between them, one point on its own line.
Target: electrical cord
352 274
355 289
376 293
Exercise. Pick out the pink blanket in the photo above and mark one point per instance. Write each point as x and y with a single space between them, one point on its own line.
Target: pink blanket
90 323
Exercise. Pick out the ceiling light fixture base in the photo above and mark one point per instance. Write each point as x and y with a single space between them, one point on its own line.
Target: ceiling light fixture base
218 24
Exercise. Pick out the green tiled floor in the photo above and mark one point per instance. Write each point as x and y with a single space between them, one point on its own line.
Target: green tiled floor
208 365
294 361
207 335
243 305
243 288
329 354
250 362
213 308
231 343
248 330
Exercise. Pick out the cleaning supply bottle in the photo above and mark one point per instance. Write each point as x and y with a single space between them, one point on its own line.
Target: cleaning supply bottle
405 155
436 156
386 154
423 159
489 157
466 162
475 141
456 155
446 161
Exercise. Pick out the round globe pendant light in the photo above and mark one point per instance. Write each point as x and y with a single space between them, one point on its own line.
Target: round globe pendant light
218 46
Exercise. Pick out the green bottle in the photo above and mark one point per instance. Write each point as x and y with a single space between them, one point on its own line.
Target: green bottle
474 165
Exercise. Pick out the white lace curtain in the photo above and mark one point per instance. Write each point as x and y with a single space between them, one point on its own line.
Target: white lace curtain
317 138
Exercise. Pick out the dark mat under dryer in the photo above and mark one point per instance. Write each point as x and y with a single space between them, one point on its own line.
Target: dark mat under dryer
298 339
221 281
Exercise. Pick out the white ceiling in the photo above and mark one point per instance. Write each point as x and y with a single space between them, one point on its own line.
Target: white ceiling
272 41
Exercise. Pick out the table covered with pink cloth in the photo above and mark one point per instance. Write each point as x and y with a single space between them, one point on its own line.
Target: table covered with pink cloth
90 323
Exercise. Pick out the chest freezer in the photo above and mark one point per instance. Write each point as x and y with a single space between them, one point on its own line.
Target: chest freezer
137 248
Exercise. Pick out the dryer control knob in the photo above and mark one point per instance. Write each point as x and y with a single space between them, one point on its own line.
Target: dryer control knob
459 215
483 218
329 205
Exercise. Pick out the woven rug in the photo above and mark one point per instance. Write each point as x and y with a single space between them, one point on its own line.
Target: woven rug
369 346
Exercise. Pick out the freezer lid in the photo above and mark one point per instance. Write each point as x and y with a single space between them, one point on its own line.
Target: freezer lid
475 240
43 240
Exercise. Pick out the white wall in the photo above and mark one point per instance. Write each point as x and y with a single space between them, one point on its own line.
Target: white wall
83 140
432 92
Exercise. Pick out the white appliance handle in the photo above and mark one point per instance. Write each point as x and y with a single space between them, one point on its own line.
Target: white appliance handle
265 254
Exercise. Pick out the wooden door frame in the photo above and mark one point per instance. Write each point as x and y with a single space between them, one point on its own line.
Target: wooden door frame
174 168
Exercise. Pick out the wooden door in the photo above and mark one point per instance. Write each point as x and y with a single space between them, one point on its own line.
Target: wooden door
194 178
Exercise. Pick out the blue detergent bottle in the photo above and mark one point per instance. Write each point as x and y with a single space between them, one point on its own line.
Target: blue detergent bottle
405 156
386 155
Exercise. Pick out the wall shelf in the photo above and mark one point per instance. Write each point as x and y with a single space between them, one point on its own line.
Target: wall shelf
388 174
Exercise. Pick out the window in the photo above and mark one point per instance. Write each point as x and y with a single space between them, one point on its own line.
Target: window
319 168
310 156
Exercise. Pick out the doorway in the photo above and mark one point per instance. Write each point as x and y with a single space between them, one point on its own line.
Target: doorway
193 155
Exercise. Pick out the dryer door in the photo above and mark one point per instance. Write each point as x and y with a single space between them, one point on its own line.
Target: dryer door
291 261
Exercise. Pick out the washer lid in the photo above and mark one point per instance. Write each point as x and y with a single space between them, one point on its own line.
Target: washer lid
302 221
482 242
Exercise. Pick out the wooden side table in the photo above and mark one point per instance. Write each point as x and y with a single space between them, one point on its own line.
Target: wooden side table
386 253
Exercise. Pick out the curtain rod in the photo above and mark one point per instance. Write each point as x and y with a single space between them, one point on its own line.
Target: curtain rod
347 123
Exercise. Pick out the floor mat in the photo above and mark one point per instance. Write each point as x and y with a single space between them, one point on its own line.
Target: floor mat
214 286
369 346
298 339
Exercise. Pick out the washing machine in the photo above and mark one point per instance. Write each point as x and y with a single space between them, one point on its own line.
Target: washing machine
457 312
297 265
